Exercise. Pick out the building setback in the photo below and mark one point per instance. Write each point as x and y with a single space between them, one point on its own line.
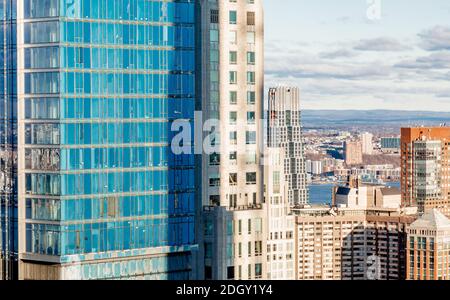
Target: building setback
101 195
285 131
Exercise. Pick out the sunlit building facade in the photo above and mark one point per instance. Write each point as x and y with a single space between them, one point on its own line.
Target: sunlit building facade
101 194
425 168
231 92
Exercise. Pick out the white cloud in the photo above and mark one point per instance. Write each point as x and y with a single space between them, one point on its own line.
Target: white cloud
381 44
345 79
436 38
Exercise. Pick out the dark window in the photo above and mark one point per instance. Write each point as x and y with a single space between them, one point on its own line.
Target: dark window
208 272
230 273
214 16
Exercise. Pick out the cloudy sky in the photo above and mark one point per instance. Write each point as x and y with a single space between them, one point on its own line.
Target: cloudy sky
344 57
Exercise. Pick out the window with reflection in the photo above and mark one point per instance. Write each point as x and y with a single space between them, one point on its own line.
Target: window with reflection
42 108
41 32
42 83
42 58
40 8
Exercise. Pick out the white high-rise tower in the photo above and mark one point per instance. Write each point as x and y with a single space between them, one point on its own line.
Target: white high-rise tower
285 131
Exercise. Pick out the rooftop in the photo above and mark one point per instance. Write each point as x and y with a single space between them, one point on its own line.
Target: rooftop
433 219
390 191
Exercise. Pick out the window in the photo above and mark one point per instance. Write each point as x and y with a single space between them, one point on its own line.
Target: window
249 227
208 272
233 77
258 248
251 78
233 200
251 37
240 227
233 57
41 32
214 35
214 159
258 225
250 157
42 58
251 18
233 117
233 37
233 137
42 83
214 180
233 179
111 207
230 253
251 117
230 273
233 97
42 108
233 155
258 270
208 250
251 58
251 178
214 16
250 137
40 8
276 181
233 17
251 96
214 200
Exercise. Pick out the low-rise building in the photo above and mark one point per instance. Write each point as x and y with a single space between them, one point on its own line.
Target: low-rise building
367 196
351 243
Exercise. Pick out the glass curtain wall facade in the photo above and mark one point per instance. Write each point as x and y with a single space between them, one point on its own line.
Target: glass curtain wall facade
8 141
102 83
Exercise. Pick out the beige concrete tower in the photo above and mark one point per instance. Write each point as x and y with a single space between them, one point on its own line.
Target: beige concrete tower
232 92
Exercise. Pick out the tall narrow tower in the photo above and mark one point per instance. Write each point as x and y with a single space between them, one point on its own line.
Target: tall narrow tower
285 131
231 85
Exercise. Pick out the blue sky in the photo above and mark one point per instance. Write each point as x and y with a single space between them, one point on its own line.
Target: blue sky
341 59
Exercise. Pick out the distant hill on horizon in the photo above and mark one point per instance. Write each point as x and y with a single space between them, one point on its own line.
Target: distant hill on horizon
313 118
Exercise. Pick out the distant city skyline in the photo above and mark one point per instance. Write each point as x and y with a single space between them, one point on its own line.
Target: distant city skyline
341 59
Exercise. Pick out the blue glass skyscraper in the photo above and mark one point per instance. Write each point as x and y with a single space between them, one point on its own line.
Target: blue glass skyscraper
8 141
101 194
